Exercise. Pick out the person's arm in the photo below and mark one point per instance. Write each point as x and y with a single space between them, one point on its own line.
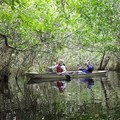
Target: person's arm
64 69
53 68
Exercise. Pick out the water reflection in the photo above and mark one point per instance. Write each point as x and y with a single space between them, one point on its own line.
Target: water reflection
88 81
43 101
61 85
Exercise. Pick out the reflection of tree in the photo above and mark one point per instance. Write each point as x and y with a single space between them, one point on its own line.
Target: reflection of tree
105 92
111 97
44 102
106 86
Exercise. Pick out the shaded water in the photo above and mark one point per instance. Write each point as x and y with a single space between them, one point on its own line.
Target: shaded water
82 99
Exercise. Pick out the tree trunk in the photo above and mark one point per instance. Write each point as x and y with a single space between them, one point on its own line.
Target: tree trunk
104 62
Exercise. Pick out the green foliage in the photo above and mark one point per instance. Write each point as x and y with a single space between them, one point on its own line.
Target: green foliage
27 20
52 29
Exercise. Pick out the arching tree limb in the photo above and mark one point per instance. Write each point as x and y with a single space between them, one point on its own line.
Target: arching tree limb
6 41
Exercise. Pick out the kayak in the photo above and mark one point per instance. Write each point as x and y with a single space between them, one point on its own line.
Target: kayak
66 76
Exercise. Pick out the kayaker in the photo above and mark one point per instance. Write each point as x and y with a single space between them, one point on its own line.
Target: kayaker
59 68
88 68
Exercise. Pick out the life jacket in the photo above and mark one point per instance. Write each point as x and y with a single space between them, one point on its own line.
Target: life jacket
90 68
59 69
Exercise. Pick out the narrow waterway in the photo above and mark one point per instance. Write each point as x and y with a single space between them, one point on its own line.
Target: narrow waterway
79 99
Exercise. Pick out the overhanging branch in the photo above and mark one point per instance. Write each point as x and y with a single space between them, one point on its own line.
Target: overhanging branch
6 41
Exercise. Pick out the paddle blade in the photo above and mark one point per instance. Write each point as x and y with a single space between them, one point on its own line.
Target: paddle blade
68 77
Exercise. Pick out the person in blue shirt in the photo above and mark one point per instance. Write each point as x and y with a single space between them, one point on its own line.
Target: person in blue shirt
88 68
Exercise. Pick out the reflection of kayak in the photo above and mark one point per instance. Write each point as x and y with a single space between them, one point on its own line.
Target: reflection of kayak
67 75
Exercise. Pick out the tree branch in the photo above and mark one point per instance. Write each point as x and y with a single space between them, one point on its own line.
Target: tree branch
6 41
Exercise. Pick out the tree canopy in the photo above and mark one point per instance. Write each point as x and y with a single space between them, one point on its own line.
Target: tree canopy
49 26
85 23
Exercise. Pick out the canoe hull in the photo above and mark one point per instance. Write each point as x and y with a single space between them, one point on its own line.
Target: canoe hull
72 74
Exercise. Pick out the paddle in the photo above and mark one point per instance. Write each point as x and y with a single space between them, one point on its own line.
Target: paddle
68 77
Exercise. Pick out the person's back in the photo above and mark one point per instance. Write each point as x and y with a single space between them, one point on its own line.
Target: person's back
59 68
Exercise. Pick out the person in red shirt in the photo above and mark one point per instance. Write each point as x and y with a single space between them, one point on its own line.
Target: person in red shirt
59 68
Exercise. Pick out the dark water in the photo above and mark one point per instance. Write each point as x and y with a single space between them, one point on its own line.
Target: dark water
79 99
